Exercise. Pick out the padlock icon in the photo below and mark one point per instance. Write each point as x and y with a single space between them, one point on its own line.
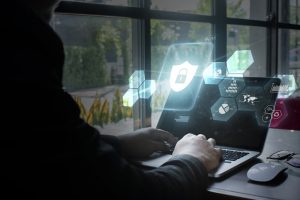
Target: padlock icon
181 76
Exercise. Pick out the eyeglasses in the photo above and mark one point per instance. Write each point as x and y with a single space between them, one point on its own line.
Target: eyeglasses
292 158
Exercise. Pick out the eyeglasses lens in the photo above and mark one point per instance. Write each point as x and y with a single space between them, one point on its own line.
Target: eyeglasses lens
281 155
294 161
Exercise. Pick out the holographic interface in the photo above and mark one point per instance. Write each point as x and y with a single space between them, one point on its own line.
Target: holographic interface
182 75
239 62
235 108
139 88
179 79
227 109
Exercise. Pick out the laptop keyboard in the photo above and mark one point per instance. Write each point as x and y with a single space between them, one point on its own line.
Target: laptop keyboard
232 155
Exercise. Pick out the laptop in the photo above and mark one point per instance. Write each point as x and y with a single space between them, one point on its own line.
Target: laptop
235 111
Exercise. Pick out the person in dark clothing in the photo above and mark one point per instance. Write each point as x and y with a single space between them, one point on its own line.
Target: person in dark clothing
49 152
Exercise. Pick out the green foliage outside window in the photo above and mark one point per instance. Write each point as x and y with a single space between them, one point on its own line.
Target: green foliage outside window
85 67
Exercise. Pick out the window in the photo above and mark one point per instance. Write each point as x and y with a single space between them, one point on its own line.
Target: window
289 11
203 7
166 32
289 51
289 39
247 9
99 61
249 38
106 41
110 2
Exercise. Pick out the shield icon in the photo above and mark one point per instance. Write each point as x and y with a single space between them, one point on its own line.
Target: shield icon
182 75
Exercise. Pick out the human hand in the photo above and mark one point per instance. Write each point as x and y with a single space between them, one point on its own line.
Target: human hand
143 142
199 147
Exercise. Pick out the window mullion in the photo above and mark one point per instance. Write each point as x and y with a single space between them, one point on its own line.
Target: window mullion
143 39
272 49
220 30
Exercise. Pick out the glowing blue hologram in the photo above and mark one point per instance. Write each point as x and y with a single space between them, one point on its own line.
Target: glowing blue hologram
239 62
138 88
136 79
130 97
213 71
182 75
179 80
147 88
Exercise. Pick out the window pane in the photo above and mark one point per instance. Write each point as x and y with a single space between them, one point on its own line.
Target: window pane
247 9
163 34
248 38
289 53
203 7
111 2
289 11
97 67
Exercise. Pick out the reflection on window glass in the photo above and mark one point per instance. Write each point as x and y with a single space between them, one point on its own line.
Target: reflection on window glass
202 7
249 38
289 11
247 9
289 53
239 63
97 67
110 2
165 33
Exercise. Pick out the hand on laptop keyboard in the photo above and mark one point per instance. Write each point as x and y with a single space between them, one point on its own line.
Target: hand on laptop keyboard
145 141
201 148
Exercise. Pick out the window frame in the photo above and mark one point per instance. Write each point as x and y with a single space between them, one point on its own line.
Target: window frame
218 19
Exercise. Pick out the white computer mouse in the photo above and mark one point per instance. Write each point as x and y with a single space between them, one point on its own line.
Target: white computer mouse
265 172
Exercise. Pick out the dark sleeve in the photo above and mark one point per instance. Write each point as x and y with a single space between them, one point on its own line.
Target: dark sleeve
101 170
97 168
57 153
182 177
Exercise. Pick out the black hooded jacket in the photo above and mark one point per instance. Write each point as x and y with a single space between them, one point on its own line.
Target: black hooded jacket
47 151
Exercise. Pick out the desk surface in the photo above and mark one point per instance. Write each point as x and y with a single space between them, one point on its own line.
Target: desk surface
237 186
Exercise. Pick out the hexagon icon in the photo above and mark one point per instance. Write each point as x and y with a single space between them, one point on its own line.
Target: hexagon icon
130 97
239 62
214 72
288 85
231 87
250 98
271 115
273 87
136 79
223 109
264 115
147 88
279 114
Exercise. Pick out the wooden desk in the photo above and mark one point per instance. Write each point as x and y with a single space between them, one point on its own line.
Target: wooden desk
237 186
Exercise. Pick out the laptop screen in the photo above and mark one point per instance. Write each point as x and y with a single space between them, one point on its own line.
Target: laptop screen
236 111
